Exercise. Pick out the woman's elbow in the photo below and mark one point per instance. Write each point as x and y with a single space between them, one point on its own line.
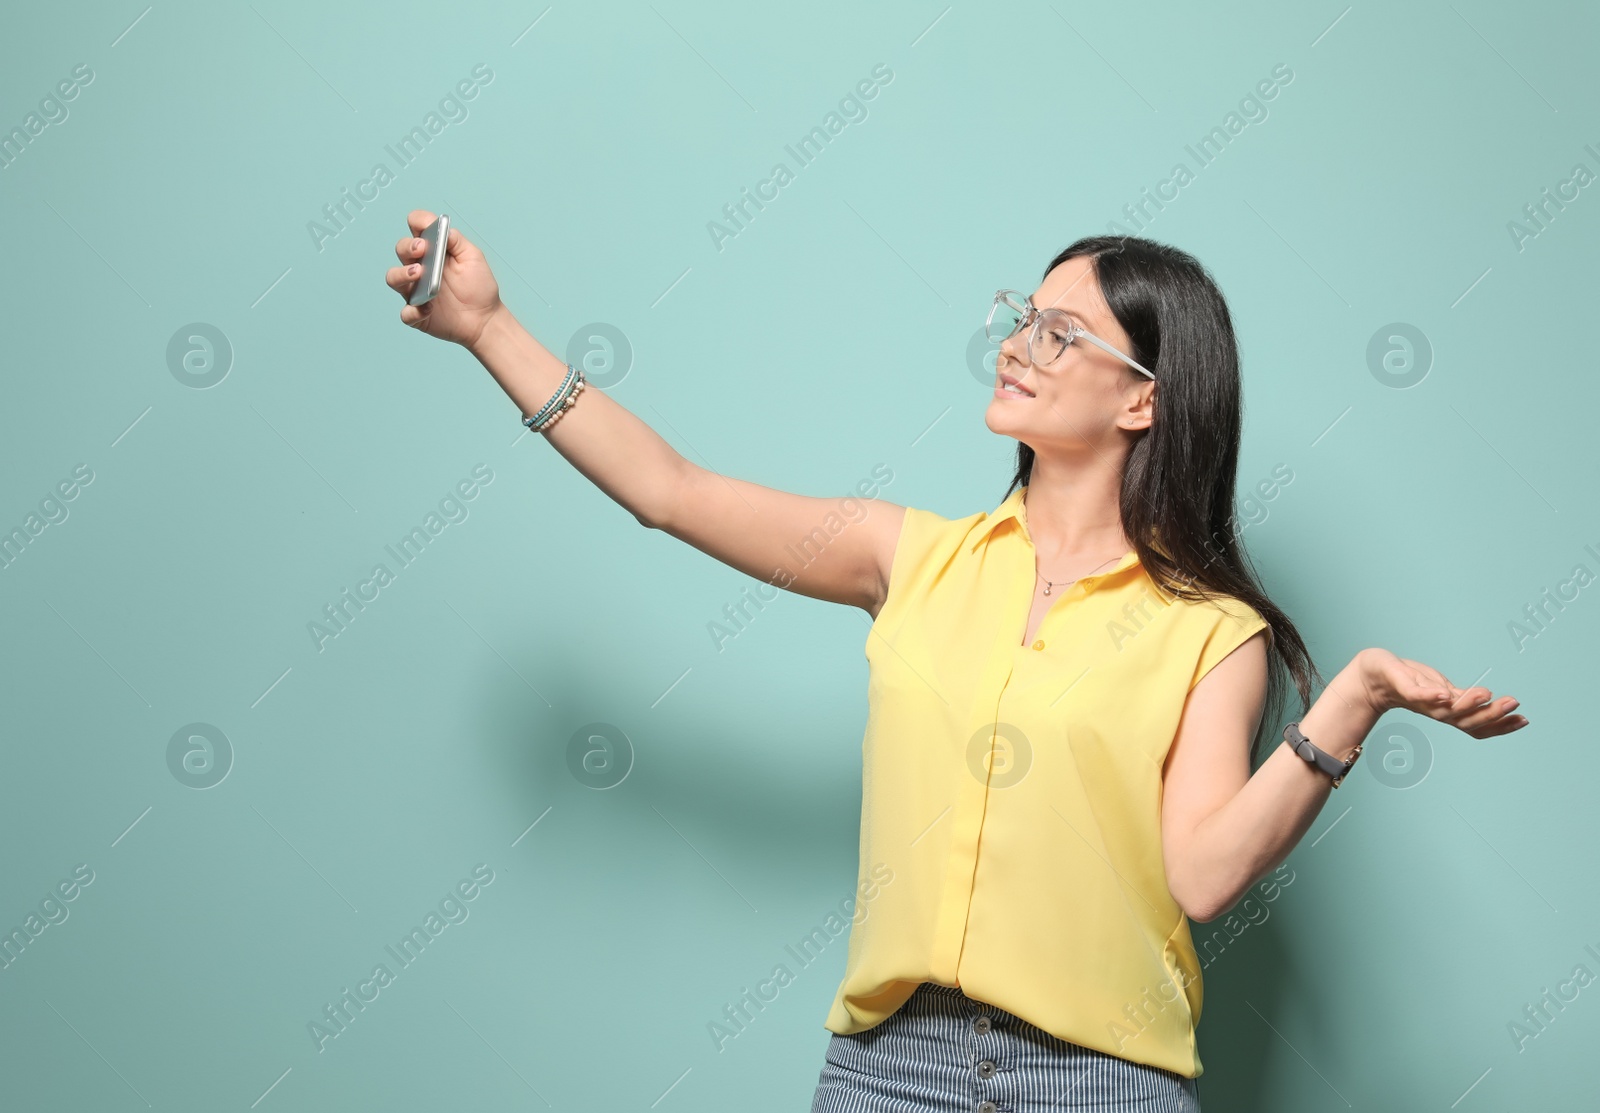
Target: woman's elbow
1201 902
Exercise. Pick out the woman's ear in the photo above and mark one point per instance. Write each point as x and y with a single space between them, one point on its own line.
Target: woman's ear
1141 408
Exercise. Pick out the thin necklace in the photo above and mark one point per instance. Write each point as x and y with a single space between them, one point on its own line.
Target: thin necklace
1048 584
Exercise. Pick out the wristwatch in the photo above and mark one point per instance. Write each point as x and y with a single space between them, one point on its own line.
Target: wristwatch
1320 758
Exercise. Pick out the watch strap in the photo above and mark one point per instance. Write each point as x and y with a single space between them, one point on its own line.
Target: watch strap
1332 766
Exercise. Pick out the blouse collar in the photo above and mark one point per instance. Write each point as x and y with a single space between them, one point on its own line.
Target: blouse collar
1012 509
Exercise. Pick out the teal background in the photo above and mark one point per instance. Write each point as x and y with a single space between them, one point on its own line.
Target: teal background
829 337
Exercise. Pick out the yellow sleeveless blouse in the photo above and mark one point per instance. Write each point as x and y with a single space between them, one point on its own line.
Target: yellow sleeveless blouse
1012 793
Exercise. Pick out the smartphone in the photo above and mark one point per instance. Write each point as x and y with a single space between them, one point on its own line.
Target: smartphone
437 237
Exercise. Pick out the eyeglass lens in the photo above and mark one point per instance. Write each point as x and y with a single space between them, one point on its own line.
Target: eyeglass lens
1048 337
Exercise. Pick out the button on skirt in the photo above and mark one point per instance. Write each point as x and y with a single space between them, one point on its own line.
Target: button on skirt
944 1052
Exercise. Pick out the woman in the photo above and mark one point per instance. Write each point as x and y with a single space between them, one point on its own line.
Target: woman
1067 695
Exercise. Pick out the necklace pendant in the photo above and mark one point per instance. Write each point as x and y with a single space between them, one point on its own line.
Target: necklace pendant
1047 587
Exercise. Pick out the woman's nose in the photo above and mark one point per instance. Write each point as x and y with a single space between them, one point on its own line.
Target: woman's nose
1015 346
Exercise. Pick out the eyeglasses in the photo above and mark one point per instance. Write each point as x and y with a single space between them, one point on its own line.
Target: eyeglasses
1050 335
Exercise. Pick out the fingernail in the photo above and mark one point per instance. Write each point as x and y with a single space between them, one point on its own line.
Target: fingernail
417 245
413 269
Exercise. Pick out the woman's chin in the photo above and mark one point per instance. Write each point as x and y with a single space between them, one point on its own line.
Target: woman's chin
1000 418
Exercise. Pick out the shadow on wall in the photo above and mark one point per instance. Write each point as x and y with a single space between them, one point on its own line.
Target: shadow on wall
740 780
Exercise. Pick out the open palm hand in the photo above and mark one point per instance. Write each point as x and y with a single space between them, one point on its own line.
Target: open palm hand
1392 681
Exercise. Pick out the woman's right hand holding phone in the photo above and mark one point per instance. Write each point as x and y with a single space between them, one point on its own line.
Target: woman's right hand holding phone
468 294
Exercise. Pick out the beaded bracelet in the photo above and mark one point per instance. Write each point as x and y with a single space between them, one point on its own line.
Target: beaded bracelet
561 410
561 391
565 397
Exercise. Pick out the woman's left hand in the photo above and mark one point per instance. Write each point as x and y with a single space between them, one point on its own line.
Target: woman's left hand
1392 681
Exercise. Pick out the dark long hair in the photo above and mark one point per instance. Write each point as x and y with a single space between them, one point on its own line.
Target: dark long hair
1177 498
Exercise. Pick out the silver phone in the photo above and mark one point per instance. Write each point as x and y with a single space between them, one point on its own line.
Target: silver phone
437 237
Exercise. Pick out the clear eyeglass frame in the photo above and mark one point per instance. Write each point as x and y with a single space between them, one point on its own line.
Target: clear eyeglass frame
1053 323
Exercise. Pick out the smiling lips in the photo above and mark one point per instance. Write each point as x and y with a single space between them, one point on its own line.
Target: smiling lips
1009 387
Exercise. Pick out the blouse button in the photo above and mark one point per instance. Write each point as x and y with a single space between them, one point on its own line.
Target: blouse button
1038 645
987 1107
982 1025
986 1069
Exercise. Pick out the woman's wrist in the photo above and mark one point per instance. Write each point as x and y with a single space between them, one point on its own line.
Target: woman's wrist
1346 711
526 370
1367 679
499 326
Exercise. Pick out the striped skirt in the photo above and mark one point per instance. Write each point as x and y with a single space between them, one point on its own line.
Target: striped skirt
944 1052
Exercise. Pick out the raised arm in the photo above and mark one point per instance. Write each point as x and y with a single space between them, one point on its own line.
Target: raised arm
837 549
